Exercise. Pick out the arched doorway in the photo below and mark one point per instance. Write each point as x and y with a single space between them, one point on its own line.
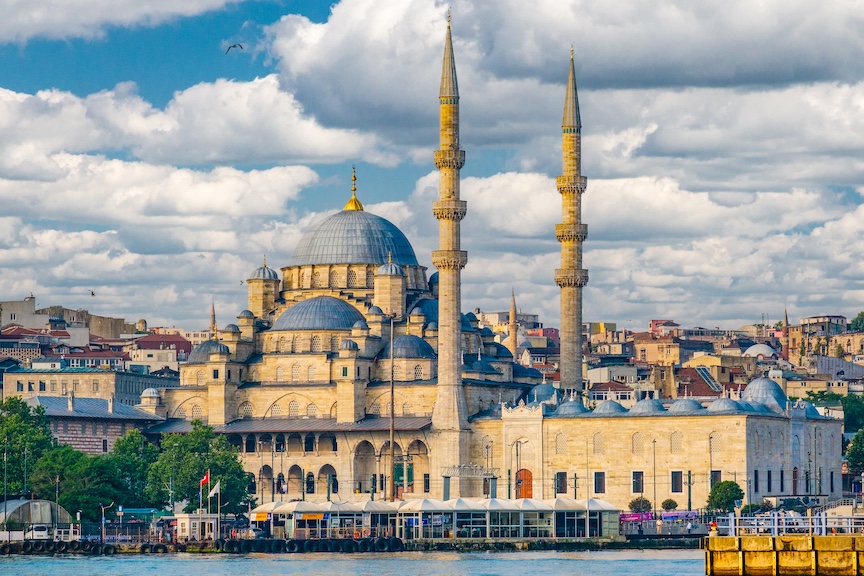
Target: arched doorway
795 481
295 480
327 472
417 467
364 466
524 484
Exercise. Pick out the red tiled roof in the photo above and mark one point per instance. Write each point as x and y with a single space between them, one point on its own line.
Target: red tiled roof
610 386
158 341
690 383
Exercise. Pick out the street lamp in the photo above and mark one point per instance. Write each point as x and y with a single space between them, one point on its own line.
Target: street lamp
103 518
654 446
391 488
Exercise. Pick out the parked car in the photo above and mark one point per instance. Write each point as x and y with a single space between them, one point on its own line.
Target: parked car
251 533
38 532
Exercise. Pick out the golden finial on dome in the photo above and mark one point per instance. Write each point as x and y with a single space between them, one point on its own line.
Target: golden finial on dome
353 203
265 261
389 257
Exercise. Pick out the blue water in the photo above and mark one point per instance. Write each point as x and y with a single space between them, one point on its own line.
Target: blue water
642 563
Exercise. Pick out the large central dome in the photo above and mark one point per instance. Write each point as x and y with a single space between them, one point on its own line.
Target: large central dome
354 237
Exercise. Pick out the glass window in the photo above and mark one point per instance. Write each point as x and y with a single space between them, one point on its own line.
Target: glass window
677 481
599 482
716 476
560 483
755 480
770 483
638 482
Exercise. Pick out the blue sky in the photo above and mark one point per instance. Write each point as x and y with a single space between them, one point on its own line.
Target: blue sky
722 142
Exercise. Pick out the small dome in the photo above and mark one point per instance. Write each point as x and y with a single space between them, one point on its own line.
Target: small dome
349 345
319 313
232 328
501 351
201 353
408 346
471 317
389 269
150 393
543 393
432 326
572 407
375 311
360 325
760 350
264 273
429 306
245 314
685 405
520 371
482 367
766 391
466 324
648 406
485 331
433 279
725 405
809 409
417 311
609 407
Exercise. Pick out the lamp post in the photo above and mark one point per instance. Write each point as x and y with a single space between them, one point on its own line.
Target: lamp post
654 447
103 518
391 487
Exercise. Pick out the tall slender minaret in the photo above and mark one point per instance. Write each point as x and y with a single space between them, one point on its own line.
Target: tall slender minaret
571 277
514 326
213 327
450 412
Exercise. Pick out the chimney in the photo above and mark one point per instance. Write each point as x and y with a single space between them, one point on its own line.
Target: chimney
111 404
70 401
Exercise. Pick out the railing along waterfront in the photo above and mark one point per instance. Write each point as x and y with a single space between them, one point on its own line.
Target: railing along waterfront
779 524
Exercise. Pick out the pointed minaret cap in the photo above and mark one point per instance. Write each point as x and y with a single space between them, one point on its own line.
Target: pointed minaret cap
213 326
572 118
353 203
449 85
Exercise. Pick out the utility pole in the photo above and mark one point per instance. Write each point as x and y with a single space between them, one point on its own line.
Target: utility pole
103 519
689 491
391 488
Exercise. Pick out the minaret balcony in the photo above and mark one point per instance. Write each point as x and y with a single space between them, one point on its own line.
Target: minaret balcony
449 259
571 232
571 277
450 209
571 184
453 158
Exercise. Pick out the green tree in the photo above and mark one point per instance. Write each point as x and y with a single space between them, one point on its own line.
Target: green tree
723 496
26 435
669 504
640 504
855 453
186 458
83 481
857 324
839 352
132 457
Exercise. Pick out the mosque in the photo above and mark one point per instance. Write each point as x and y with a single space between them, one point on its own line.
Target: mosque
351 338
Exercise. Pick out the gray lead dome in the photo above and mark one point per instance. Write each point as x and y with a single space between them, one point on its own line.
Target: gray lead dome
354 237
320 313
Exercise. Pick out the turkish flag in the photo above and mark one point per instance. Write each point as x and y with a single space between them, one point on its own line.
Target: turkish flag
205 479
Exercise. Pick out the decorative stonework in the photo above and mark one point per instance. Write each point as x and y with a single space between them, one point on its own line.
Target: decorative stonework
569 277
450 209
454 159
449 259
571 232
571 184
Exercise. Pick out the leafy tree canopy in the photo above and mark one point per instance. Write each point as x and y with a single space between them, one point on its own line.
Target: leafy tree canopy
857 324
640 504
25 434
669 504
855 452
184 461
132 457
723 496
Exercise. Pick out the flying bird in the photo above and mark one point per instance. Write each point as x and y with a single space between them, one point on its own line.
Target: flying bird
234 46
92 293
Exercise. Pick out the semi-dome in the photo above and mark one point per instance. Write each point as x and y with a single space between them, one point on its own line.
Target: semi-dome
245 314
389 269
609 407
573 407
766 391
432 326
319 313
685 405
353 237
232 328
361 325
762 350
417 311
349 345
376 311
201 353
648 406
150 393
408 346
725 405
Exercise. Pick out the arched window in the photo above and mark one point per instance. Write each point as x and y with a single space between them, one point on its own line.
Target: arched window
375 408
676 443
561 444
316 343
245 410
637 444
276 410
280 374
397 372
293 409
418 372
199 378
181 413
334 343
352 278
370 278
406 409
311 410
316 279
283 344
310 483
334 279
713 442
196 412
295 372
598 443
310 373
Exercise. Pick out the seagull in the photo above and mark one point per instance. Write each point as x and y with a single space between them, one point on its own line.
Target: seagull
92 293
234 46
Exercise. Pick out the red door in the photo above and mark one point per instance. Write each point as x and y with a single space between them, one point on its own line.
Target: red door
524 484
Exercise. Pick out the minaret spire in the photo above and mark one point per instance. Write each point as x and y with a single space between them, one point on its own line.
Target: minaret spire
450 414
353 203
571 277
514 325
213 327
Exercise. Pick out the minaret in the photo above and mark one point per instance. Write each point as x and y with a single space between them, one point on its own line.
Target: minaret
514 326
571 277
213 328
449 413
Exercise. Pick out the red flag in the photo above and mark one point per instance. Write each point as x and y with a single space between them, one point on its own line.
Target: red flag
205 479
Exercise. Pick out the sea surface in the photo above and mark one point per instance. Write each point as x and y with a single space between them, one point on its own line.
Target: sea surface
547 563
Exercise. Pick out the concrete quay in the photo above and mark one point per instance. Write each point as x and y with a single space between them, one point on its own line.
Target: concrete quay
787 555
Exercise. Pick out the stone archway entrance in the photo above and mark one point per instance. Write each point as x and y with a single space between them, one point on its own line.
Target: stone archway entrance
524 484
